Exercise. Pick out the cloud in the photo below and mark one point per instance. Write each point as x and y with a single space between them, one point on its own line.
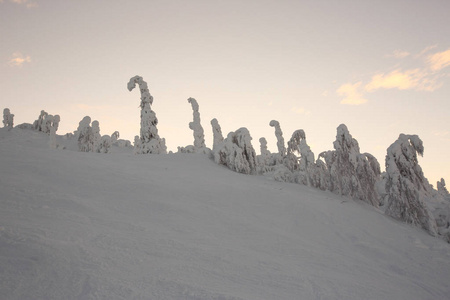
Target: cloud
300 111
439 60
427 75
351 94
18 60
398 54
413 79
402 80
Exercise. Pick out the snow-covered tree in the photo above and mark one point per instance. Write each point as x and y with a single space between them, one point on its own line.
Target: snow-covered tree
280 139
406 186
265 157
237 153
303 166
96 137
150 140
351 173
56 120
47 124
217 133
137 144
105 144
84 135
39 123
114 137
197 129
52 134
196 126
291 160
441 188
321 176
8 118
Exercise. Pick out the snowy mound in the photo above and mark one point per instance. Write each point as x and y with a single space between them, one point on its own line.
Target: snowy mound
76 225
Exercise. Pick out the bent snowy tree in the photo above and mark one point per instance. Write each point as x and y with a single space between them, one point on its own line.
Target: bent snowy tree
237 153
406 186
150 140
351 173
280 140
196 126
217 133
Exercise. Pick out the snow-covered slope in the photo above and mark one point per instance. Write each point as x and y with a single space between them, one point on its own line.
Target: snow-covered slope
120 226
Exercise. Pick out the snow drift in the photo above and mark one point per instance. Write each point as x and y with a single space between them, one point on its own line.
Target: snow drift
76 225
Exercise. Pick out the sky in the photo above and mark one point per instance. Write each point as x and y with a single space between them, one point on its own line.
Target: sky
380 67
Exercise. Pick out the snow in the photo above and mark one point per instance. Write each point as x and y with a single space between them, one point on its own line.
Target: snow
77 225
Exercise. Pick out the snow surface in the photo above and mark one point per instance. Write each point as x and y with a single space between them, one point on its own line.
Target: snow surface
77 225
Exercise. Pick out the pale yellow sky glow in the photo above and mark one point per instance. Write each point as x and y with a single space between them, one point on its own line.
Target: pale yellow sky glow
380 67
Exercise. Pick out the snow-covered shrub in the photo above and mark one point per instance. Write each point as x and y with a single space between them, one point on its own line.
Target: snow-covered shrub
237 153
26 126
84 135
123 143
187 149
8 118
217 133
150 140
406 186
283 174
280 140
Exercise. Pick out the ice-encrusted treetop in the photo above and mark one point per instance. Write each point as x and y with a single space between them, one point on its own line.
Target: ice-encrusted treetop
145 93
